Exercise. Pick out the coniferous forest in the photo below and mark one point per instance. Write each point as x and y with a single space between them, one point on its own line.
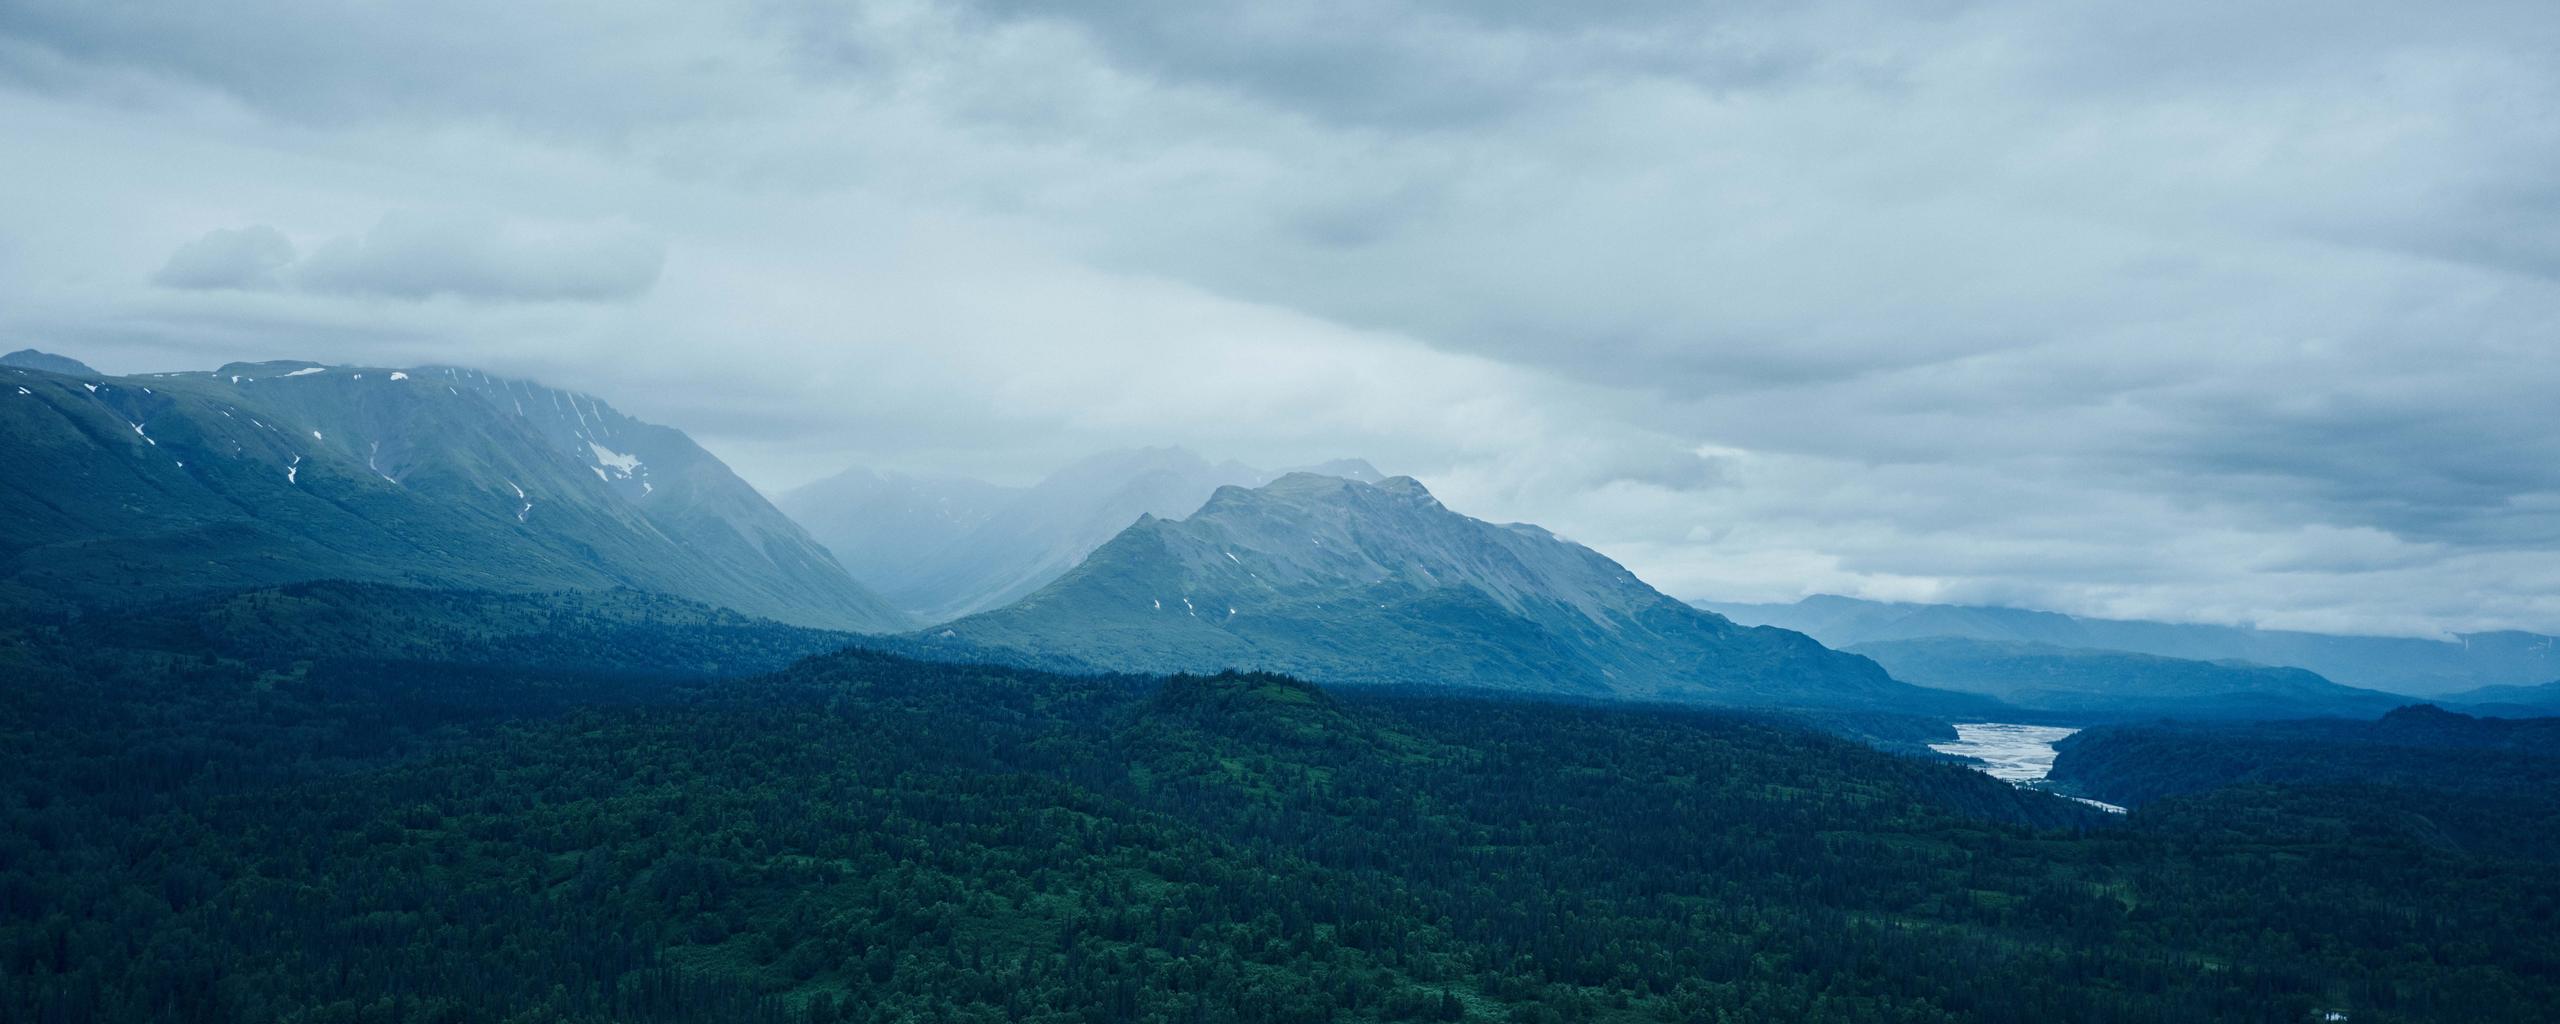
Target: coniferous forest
373 817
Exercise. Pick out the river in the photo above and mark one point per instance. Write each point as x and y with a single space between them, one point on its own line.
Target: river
2021 755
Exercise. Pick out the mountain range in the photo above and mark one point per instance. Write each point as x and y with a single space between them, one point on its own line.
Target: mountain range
135 490
30 359
1342 581
940 547
2394 664
2510 701
126 490
2086 683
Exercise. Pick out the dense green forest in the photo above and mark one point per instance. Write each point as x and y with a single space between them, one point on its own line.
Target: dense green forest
2419 775
227 812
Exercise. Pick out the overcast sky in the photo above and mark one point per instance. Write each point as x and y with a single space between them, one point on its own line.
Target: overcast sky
2200 311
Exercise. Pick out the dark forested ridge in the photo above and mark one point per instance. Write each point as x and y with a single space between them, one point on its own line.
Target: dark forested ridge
267 831
594 632
2418 776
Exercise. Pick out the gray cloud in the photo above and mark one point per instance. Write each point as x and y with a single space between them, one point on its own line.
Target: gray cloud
593 68
416 257
411 256
2237 312
247 257
1432 65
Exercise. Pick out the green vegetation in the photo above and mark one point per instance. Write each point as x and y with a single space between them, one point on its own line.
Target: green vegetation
340 824
2419 776
596 632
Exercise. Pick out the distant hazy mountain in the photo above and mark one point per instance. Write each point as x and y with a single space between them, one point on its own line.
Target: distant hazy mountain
129 489
2120 683
882 525
2510 701
30 359
1347 582
943 547
2395 664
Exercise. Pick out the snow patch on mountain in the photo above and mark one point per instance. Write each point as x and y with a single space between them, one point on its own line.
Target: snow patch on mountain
623 465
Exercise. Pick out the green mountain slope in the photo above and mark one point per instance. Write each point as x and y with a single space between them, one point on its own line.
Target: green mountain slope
1349 582
124 490
2118 683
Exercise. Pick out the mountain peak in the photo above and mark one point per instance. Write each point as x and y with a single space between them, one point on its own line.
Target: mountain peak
1294 485
275 472
1348 469
30 359
1312 486
1409 489
1347 582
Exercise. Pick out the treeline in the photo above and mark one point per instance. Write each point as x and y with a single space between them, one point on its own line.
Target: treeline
199 835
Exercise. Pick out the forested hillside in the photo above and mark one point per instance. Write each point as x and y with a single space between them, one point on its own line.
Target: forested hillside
2419 775
276 834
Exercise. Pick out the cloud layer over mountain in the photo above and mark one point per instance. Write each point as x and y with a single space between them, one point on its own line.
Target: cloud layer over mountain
2195 311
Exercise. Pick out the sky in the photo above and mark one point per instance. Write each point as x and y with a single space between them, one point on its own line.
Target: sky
2242 313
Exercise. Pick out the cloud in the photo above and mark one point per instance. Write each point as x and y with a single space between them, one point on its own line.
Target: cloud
243 258
2239 312
594 68
414 256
